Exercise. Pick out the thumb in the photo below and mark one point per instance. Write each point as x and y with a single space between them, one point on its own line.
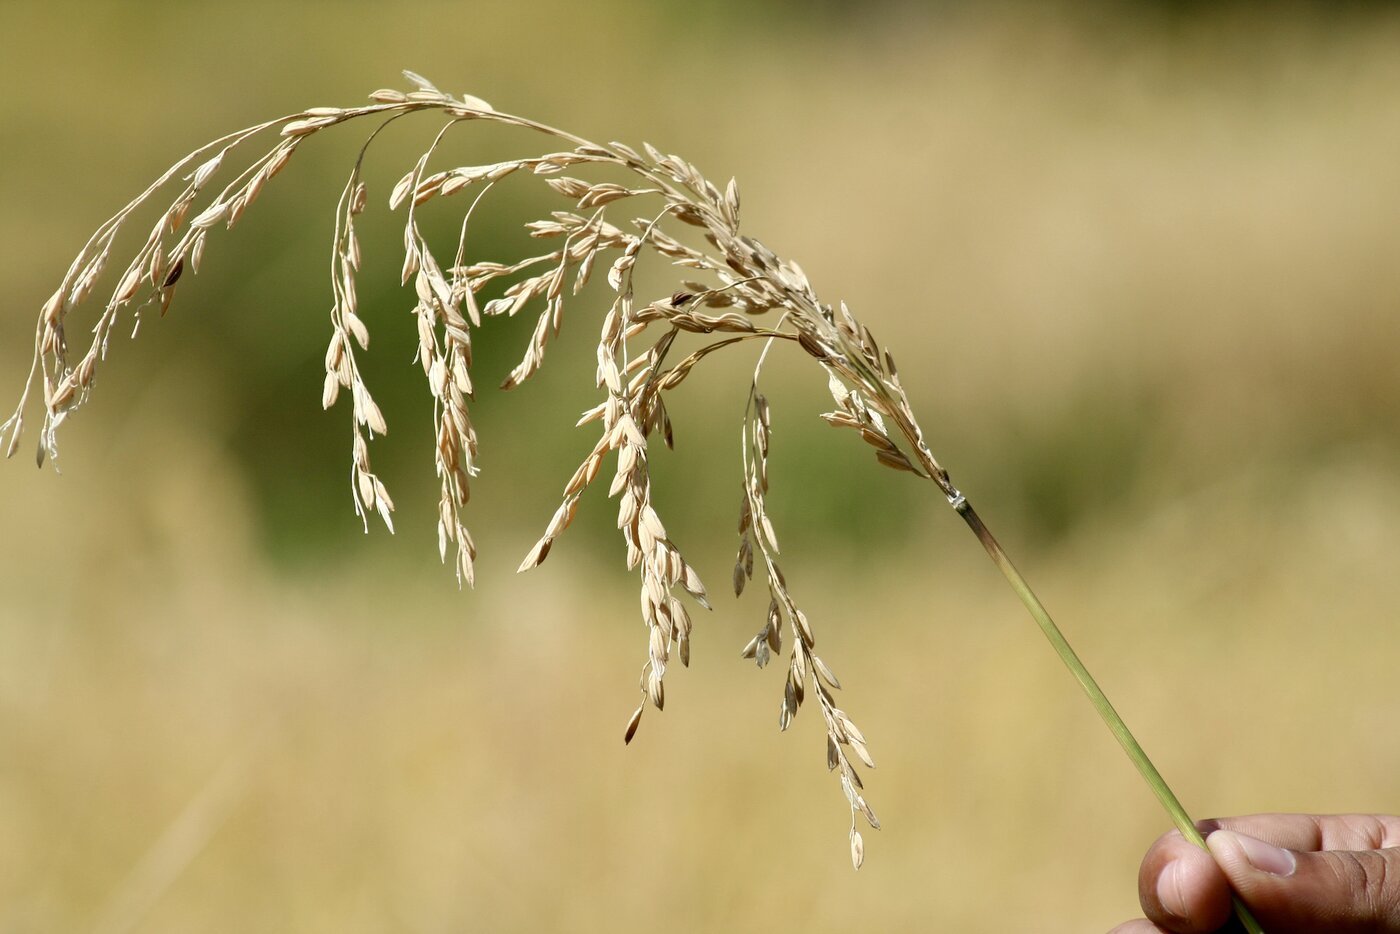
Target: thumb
1291 891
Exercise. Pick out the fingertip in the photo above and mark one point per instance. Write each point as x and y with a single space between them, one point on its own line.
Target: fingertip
1137 926
1182 889
1239 854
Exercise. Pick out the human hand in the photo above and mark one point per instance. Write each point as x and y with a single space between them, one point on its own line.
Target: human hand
1298 873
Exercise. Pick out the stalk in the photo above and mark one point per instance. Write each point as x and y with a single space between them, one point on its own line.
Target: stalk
864 382
1116 726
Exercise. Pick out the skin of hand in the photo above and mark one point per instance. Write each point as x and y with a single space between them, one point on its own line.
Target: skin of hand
1319 874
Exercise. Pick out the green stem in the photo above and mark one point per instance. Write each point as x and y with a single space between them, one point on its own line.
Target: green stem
1115 723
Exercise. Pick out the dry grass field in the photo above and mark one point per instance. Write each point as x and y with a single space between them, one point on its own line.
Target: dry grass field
1139 270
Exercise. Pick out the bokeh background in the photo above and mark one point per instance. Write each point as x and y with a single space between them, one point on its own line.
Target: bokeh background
1139 264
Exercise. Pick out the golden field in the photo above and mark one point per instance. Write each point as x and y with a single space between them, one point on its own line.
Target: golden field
1139 271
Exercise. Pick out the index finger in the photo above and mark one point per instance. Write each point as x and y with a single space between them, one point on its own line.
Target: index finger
1312 833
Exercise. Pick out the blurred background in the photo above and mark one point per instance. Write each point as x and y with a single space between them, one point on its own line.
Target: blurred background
1138 262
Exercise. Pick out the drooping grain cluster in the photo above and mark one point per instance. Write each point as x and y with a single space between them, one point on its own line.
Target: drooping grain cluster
741 290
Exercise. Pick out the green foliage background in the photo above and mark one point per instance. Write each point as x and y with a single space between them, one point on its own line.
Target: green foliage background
1137 262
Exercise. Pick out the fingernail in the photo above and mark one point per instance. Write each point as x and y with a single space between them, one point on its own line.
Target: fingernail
1169 890
1264 857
